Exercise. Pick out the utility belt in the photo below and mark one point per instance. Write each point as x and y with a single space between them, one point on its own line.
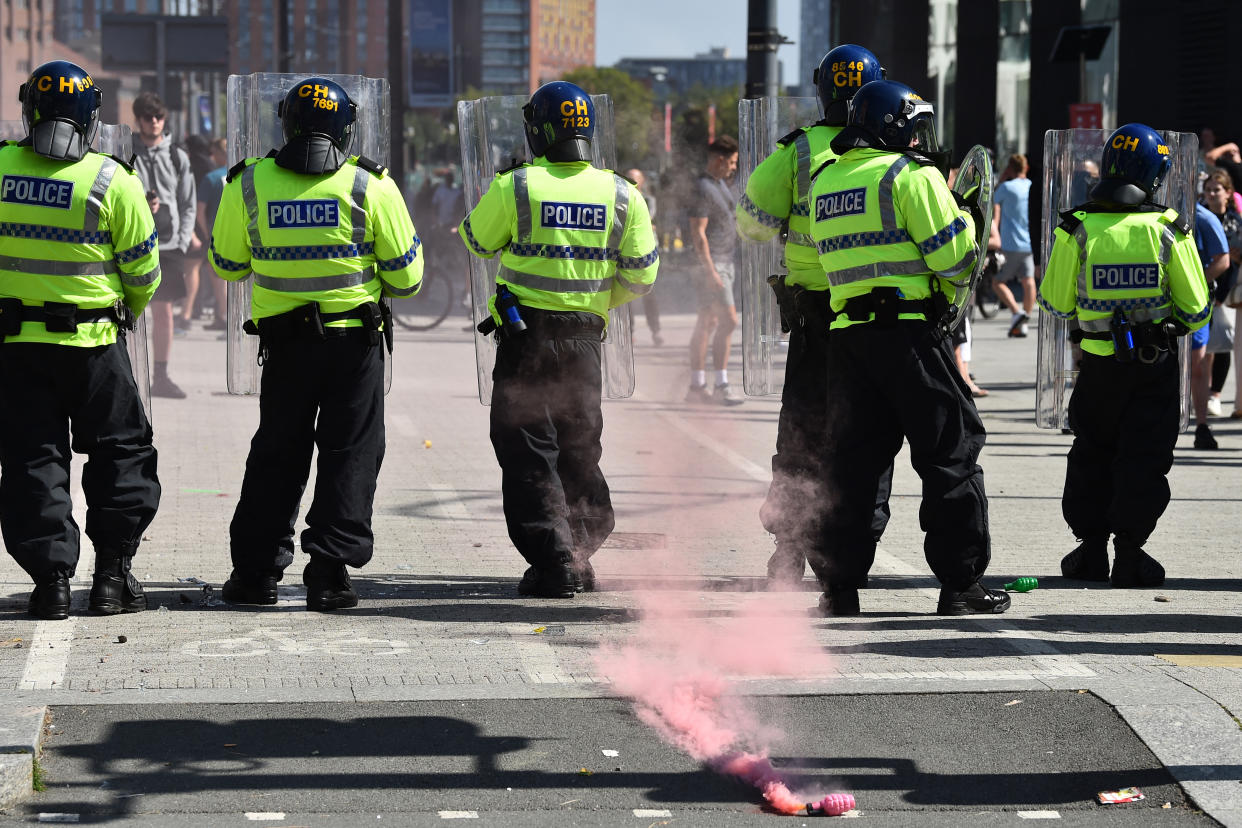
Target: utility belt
60 317
308 323
1146 342
886 304
549 324
800 307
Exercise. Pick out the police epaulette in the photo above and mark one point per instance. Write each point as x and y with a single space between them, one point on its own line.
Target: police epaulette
373 167
626 177
1069 221
822 167
1181 223
128 165
786 140
918 158
513 166
235 169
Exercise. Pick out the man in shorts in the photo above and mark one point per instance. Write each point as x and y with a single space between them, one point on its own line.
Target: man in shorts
1012 215
714 237
171 193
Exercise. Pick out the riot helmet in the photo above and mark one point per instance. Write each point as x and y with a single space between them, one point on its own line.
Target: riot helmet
317 117
1135 162
840 74
60 110
560 122
888 115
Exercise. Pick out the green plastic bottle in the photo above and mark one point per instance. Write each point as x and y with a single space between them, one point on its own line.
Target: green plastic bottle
1022 584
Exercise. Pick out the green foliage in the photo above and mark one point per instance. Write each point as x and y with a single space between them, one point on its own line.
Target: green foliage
632 105
37 776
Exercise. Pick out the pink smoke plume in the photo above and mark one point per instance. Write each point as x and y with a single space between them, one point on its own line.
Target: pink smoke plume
680 670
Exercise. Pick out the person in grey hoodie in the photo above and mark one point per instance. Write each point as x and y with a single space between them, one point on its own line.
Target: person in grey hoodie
166 173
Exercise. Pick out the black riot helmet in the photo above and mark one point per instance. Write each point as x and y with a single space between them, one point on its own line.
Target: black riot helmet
317 117
560 122
841 73
60 110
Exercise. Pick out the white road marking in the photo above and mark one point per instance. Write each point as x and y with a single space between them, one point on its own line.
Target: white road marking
52 817
459 814
647 813
265 816
1039 814
49 654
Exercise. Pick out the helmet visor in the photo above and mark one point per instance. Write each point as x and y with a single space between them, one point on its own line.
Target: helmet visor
923 137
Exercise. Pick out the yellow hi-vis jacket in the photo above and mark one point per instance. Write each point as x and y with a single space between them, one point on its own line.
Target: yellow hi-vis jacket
777 195
315 238
1141 262
571 237
881 219
78 232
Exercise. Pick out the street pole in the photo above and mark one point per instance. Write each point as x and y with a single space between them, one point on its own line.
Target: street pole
762 40
396 88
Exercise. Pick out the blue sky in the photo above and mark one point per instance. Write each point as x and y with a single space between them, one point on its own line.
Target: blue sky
683 28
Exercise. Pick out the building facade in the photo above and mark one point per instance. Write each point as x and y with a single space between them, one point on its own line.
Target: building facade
814 40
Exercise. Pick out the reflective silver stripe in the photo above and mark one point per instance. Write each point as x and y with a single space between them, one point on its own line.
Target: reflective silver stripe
398 292
94 199
252 206
875 271
314 284
48 267
794 237
551 284
1167 240
141 280
803 146
521 198
1095 325
1142 314
1080 236
637 288
966 263
888 219
620 213
358 197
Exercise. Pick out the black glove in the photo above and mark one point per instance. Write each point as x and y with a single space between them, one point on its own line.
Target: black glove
969 206
1176 327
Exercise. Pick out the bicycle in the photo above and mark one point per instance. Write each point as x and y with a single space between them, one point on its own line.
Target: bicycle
985 296
436 298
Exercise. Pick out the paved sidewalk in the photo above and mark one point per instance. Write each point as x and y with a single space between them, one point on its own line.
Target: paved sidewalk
440 619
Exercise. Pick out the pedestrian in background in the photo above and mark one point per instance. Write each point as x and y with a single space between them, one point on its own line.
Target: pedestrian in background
1011 212
651 306
81 257
165 172
713 233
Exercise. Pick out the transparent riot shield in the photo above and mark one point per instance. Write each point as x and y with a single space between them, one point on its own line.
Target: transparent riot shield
974 183
253 130
761 122
493 138
1071 167
114 139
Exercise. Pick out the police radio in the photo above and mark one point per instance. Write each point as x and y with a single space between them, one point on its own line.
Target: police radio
1122 331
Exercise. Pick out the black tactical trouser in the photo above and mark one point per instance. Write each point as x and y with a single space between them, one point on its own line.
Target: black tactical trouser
886 383
546 425
327 395
794 507
1125 419
55 400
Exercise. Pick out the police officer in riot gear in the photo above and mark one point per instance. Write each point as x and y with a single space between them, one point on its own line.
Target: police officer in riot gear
888 230
327 236
79 261
573 241
1127 269
776 202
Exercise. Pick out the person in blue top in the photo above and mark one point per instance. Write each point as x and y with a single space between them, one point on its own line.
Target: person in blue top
1011 214
1214 253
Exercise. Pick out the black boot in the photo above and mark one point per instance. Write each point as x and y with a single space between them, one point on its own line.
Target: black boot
115 590
1088 561
585 573
1132 567
557 581
327 586
249 588
50 598
839 603
974 600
